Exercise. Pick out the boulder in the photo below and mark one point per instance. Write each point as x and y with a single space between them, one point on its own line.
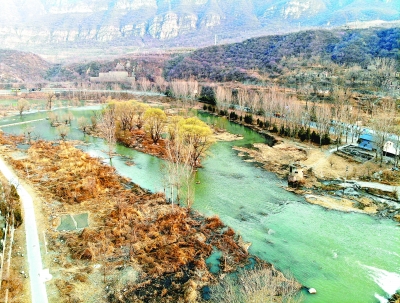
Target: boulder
312 291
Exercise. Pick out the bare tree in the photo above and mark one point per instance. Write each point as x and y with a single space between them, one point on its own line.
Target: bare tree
193 89
125 114
323 116
161 84
383 72
63 131
139 109
22 105
145 84
106 126
253 101
83 124
155 120
28 131
382 123
50 98
179 166
242 98
338 113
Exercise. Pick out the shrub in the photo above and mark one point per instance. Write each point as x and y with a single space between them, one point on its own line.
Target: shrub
248 118
315 138
302 134
223 112
257 285
287 131
326 140
18 217
233 116
282 130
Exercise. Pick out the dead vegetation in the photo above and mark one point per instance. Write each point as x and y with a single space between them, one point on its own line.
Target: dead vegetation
264 284
131 231
139 140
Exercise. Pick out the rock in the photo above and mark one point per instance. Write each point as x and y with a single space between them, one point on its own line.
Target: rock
200 237
244 245
190 293
351 192
56 222
312 291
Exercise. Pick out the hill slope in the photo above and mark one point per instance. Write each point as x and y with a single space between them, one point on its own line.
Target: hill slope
271 54
18 66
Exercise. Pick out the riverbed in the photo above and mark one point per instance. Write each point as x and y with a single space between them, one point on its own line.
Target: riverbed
347 257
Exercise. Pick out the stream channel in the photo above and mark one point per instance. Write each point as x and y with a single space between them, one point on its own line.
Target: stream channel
347 257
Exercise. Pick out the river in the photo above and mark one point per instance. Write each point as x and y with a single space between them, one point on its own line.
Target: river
347 257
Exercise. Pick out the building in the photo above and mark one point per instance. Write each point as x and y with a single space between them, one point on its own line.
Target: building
119 74
367 141
389 148
296 176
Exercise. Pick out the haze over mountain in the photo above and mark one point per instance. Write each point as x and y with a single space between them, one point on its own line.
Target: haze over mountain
44 24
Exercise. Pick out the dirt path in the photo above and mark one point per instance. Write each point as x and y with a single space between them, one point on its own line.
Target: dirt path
36 274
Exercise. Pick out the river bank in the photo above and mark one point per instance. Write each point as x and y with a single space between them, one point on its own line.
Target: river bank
324 178
346 256
136 246
325 172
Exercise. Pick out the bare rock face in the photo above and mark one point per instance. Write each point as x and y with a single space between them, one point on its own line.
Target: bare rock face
40 23
171 25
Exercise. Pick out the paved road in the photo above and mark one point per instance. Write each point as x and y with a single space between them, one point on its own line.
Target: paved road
38 287
380 186
59 90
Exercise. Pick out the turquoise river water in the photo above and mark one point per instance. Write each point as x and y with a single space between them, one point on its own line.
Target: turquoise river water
347 257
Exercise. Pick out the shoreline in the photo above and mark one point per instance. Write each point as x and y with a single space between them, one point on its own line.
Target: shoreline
321 166
227 241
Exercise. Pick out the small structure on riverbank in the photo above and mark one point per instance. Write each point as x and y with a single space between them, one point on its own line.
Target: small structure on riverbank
389 148
296 176
367 142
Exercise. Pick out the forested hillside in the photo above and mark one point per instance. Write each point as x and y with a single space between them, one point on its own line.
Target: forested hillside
272 56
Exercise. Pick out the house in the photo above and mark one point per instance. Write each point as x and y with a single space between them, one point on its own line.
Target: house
390 148
367 141
296 176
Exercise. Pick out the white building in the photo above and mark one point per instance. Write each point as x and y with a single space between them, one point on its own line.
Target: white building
119 74
390 148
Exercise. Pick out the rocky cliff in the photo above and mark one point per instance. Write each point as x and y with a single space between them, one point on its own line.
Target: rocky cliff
146 23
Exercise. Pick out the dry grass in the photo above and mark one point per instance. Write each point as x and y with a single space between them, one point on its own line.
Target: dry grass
256 286
139 140
129 228
275 158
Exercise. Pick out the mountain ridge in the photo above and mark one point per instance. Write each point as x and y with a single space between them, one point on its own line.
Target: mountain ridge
175 23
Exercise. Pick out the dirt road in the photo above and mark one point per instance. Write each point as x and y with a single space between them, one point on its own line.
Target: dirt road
37 284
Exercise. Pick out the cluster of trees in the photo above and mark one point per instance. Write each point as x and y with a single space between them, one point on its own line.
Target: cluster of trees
321 122
186 140
280 112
